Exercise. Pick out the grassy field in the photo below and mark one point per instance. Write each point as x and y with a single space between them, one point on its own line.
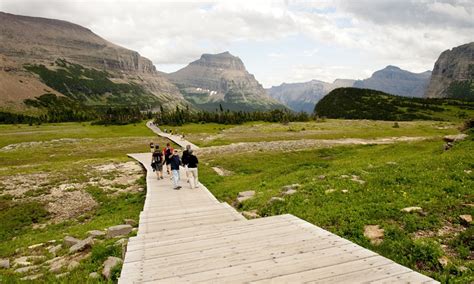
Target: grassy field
88 174
345 188
215 134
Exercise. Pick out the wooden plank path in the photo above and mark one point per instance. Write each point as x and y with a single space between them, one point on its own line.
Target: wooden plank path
187 235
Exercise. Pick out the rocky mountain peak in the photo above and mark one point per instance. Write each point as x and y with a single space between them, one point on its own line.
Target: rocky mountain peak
223 60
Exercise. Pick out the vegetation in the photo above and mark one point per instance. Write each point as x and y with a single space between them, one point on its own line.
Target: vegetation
462 89
353 103
393 177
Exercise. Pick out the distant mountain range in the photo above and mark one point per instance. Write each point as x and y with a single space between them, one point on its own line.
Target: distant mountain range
221 79
391 79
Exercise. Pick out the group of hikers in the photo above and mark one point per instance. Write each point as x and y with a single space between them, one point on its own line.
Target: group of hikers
170 158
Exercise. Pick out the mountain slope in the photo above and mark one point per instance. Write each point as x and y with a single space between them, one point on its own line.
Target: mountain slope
40 41
354 103
304 96
396 81
453 74
221 79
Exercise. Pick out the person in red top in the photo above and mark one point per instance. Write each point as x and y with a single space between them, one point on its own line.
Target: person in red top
167 153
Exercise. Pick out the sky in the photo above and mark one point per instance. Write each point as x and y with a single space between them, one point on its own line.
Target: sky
278 41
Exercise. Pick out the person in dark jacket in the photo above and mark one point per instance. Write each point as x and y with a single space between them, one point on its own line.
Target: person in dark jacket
157 162
175 162
192 170
167 153
184 160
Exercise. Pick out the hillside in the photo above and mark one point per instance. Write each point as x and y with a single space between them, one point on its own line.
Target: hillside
221 79
353 103
396 81
453 74
42 42
303 96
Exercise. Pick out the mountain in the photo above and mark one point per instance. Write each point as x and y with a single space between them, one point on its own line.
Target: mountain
221 79
396 81
37 55
303 96
453 74
355 103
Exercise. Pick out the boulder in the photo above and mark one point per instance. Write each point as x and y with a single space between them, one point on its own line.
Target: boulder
250 214
82 245
119 230
109 264
73 264
455 138
70 241
466 219
57 264
374 233
4 263
411 209
96 233
244 195
130 222
54 249
21 261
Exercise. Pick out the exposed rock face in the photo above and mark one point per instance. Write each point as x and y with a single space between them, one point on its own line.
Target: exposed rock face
304 96
221 79
396 81
35 40
453 74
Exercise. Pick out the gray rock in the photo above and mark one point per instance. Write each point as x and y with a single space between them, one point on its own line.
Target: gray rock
119 230
57 264
374 233
96 233
290 192
109 264
94 275
73 264
244 195
291 187
54 249
82 245
331 190
70 241
36 246
276 199
250 214
4 263
412 209
27 269
455 138
466 219
32 277
130 222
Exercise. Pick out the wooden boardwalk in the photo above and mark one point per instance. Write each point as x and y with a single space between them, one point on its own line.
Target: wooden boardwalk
188 236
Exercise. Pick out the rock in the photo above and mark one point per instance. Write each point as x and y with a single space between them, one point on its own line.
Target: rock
54 250
444 261
119 230
466 219
36 246
357 179
275 199
468 172
344 176
62 275
57 264
391 163
290 192
52 242
463 268
250 214
73 264
4 263
130 222
94 275
448 146
121 242
412 209
345 191
109 264
21 261
374 233
331 190
32 277
291 187
455 138
96 233
70 241
82 245
27 269
244 195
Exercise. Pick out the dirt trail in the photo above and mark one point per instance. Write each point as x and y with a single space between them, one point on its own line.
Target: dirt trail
292 145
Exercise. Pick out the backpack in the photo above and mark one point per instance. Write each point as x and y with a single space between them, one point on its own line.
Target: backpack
158 158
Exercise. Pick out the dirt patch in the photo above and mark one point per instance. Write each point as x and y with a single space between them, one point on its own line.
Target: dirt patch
65 205
295 145
35 144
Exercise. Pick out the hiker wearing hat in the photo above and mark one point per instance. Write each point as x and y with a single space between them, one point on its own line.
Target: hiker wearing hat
175 162
192 170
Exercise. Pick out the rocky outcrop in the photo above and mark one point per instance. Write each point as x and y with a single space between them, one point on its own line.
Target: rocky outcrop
33 40
221 79
304 96
396 81
453 74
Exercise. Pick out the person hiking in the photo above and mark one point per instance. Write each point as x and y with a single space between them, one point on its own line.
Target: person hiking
175 162
168 152
184 159
157 162
192 170
152 147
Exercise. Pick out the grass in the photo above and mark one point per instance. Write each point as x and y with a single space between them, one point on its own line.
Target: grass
215 134
66 162
396 176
